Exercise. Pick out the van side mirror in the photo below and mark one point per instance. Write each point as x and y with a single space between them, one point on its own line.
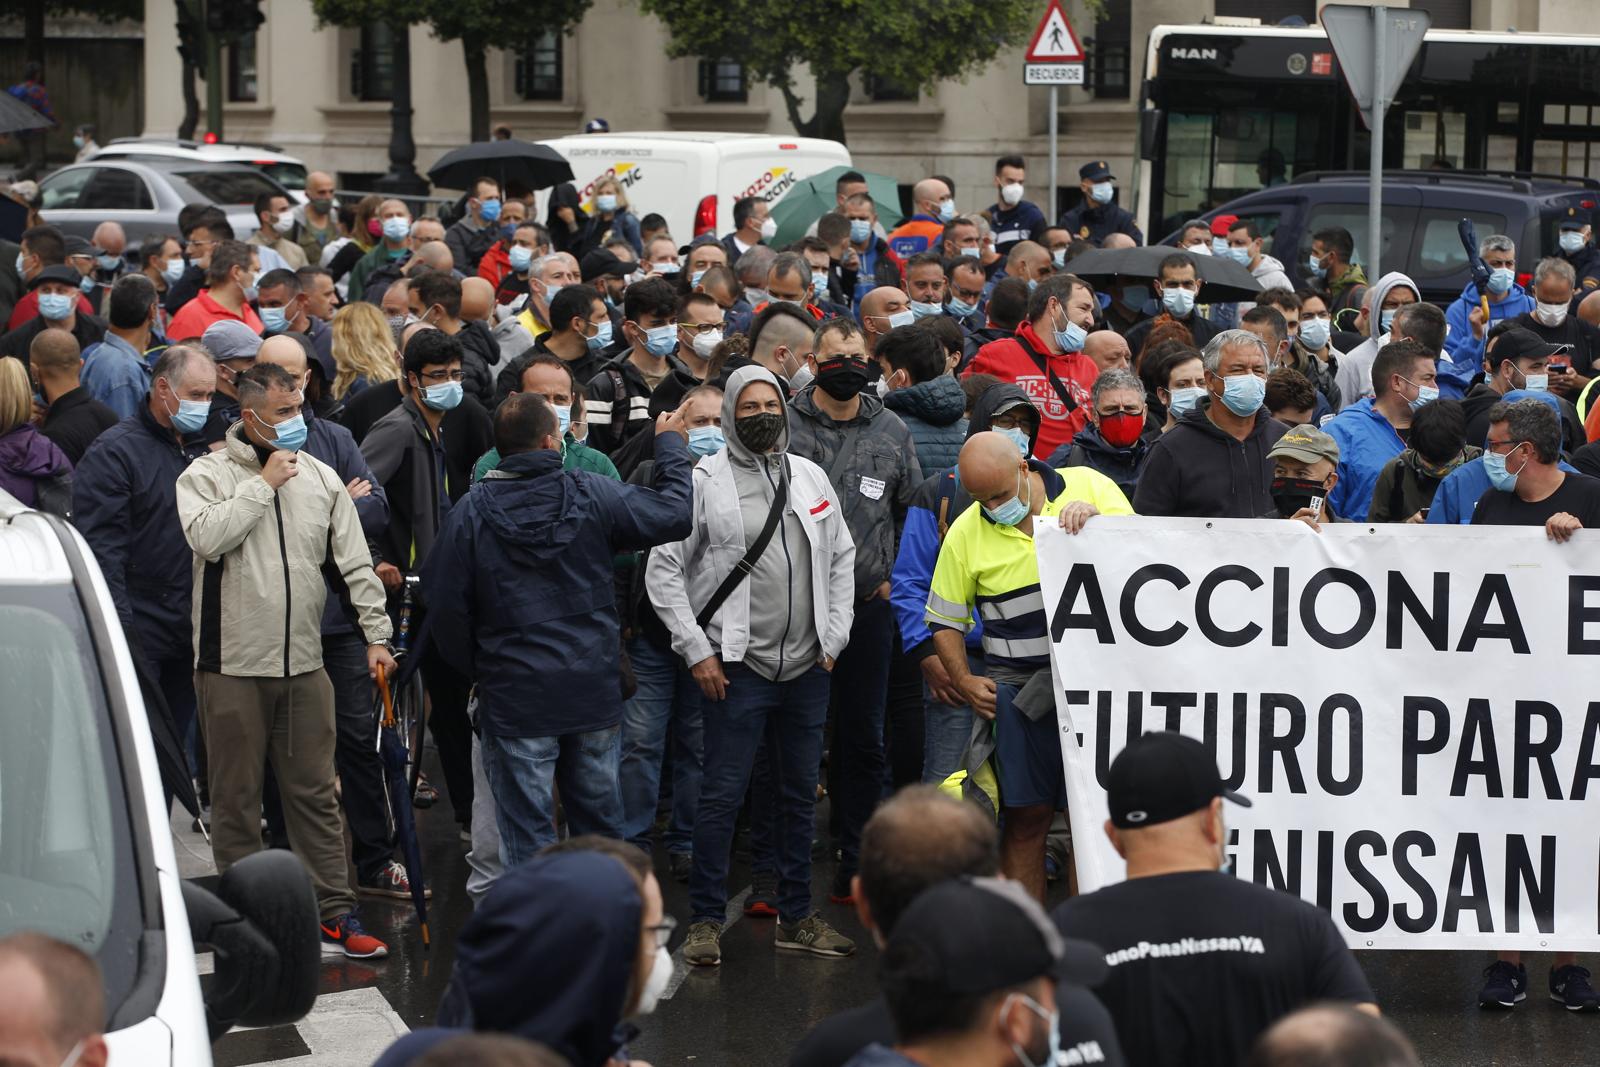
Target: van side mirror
261 924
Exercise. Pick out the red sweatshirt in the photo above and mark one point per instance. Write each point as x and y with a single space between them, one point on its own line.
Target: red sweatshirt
1023 359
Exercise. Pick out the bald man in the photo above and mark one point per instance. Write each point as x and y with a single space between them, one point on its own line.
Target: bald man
1029 263
1332 1035
344 653
52 1004
72 418
934 207
883 309
1119 240
477 300
982 564
1109 351
435 255
110 242
316 221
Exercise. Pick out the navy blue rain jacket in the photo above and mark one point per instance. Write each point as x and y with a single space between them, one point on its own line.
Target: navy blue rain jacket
518 585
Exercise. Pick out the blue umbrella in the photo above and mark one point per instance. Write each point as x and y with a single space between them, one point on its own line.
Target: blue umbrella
398 786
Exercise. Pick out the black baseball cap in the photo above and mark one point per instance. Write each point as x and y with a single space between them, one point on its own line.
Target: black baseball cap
1520 343
971 936
59 273
602 261
1098 171
1160 777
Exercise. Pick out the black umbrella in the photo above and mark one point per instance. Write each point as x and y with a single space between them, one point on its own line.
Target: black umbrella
1221 280
398 786
16 117
511 162
170 757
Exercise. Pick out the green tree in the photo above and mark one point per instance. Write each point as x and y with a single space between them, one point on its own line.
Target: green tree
907 42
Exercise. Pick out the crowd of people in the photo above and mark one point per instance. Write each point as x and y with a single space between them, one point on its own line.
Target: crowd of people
681 533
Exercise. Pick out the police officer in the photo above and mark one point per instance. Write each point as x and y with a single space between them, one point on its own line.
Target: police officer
1577 249
1096 218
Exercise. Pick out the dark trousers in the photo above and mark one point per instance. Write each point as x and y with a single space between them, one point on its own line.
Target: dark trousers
789 716
905 736
855 760
448 690
355 754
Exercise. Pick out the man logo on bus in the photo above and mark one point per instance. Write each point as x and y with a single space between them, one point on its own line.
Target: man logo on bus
1194 53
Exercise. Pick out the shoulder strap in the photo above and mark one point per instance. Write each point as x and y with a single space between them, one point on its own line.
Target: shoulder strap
742 569
946 497
620 403
1040 361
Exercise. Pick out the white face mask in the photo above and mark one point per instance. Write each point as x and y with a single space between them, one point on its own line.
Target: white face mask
705 343
1550 314
1011 194
656 984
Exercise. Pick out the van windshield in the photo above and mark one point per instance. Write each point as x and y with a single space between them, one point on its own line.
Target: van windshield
66 868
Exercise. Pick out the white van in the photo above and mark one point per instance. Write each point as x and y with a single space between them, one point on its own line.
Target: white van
692 179
85 844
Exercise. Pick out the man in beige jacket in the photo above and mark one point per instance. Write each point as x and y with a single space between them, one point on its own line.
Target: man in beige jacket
267 524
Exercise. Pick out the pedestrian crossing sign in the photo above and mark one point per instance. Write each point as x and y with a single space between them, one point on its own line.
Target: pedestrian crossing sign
1054 41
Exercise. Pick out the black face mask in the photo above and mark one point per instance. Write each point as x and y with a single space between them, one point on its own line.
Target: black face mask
842 379
760 432
1292 494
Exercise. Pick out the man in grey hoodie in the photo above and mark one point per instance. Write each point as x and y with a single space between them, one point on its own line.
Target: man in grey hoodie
763 656
1393 292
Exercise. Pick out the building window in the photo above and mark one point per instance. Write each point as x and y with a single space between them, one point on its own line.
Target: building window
881 90
242 69
722 81
539 70
1110 51
1270 12
372 63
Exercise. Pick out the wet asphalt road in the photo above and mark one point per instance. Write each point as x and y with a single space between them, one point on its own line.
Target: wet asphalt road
755 1007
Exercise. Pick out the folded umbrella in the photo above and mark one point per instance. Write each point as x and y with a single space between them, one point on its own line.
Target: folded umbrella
398 785
1222 280
510 162
170 755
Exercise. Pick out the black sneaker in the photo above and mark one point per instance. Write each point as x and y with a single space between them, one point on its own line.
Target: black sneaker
1570 986
679 866
840 892
762 903
1505 984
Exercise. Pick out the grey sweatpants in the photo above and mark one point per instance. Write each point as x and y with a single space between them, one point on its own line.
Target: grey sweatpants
289 722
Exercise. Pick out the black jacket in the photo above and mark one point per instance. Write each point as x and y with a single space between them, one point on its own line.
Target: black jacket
616 416
1095 222
1201 327
467 430
75 420
1121 465
86 328
1198 470
479 352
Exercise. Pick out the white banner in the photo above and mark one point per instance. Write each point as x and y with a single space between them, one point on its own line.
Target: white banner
1414 710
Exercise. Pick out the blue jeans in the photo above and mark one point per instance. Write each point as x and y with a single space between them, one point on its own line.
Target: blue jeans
355 754
860 688
667 694
523 772
790 717
948 730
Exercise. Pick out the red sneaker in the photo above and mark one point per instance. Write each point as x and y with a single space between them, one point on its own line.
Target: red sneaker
763 899
344 934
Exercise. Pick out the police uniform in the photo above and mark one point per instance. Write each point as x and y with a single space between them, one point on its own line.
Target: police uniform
1585 261
1095 222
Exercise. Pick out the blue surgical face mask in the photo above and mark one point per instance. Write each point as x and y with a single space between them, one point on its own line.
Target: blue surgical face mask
550 292
490 210
1537 383
1101 192
290 434
947 210
921 309
1501 280
55 306
86 283
704 440
860 230
563 420
606 202
900 318
1571 240
661 341
191 415
694 278
108 262
173 270
1013 511
1494 465
1071 337
1240 256
397 227
1315 268
1177 301
1314 333
19 264
1184 400
1018 437
521 258
442 396
275 320
1426 394
1059 258
819 284
1033 283
1386 320
1243 394
960 308
1219 246
601 339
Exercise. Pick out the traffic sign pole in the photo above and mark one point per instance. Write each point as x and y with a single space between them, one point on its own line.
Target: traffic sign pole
1380 107
1055 115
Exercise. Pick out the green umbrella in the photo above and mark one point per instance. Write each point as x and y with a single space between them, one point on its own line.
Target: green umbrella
813 197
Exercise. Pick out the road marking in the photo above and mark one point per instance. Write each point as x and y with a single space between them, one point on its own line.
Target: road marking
352 1026
680 969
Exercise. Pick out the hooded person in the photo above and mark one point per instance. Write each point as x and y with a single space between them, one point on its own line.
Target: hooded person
519 587
1377 317
560 951
934 506
759 599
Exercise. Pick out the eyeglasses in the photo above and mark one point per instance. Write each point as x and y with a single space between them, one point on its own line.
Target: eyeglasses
441 376
1126 409
1502 448
701 327
199 244
663 930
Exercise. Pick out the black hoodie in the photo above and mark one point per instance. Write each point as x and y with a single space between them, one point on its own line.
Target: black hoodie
1199 470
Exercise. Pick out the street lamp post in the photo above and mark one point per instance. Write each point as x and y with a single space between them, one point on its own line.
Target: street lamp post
402 178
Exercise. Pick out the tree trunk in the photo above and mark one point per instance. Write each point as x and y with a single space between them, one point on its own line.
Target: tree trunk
33 32
191 103
473 51
827 117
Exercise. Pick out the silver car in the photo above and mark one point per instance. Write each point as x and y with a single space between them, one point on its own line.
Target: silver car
146 196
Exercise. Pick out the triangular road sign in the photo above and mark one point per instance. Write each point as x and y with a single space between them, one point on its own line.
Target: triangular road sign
1054 41
1350 30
